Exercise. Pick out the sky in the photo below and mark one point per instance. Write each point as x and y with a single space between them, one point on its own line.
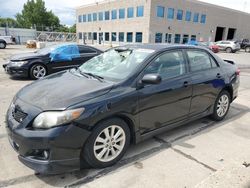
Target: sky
65 9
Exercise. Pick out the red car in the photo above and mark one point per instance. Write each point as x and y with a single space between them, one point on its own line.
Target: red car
210 45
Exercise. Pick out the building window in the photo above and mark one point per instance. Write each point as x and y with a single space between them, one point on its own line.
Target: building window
160 11
95 36
114 14
80 18
122 13
106 15
94 16
106 36
138 37
130 37
177 38
114 36
84 18
170 13
100 16
158 38
80 35
121 37
140 11
179 14
196 17
188 16
89 17
168 38
193 37
130 12
185 39
203 18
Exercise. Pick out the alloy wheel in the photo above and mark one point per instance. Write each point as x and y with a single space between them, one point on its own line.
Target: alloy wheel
109 143
2 45
222 105
39 71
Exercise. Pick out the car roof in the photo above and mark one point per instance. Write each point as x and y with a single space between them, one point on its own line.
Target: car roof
160 47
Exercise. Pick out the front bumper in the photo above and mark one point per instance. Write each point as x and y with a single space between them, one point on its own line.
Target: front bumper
63 144
16 71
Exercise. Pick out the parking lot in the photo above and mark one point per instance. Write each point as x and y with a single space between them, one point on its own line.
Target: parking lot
203 153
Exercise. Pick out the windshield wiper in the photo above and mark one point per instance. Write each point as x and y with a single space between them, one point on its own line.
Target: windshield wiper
95 76
88 74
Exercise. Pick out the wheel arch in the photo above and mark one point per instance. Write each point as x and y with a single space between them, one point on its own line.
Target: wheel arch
229 89
35 62
126 119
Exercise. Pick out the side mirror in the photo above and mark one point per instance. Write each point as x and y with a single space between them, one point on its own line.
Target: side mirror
151 79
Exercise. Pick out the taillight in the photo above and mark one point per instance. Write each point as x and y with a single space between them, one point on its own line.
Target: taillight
237 72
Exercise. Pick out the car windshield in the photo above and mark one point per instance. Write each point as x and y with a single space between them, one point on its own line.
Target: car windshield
115 64
46 50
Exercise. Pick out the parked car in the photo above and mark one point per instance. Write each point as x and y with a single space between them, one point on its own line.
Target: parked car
228 46
210 45
243 43
4 40
49 60
127 94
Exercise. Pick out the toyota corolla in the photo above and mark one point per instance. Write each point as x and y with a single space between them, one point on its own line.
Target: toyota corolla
92 114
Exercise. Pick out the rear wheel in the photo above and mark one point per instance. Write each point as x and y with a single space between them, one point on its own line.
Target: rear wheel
38 71
247 49
221 106
2 45
107 143
229 50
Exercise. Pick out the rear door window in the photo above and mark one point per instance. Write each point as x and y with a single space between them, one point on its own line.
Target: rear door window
200 60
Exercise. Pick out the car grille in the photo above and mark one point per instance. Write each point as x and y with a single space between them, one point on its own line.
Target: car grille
18 114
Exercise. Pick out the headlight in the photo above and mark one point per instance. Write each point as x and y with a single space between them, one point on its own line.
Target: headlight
47 120
17 63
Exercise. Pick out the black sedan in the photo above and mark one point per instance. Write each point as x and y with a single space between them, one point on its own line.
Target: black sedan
91 114
49 60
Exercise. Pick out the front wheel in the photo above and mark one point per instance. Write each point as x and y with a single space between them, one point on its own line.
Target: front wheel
107 143
229 50
221 106
38 71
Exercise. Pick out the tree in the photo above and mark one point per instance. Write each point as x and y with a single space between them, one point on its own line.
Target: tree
35 15
8 22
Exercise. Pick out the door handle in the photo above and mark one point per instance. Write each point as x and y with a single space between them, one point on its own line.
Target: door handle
218 75
185 84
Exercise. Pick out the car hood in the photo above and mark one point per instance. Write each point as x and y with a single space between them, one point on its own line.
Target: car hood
25 56
61 90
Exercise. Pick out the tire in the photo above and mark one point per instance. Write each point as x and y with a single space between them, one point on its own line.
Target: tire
99 155
229 50
223 100
2 45
38 71
247 49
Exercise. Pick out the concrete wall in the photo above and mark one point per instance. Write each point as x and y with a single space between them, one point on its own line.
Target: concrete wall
21 35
